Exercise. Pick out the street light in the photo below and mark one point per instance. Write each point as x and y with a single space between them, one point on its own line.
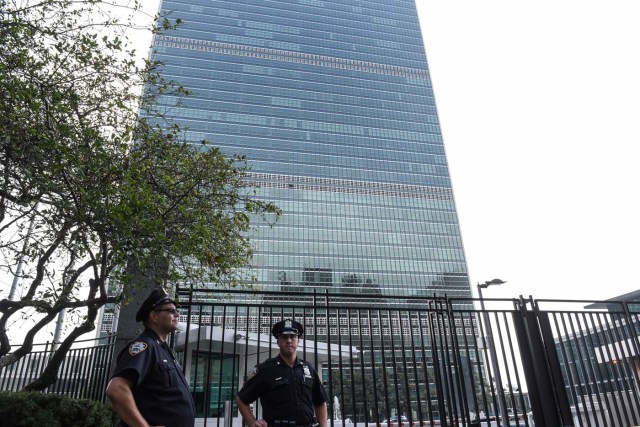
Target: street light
502 403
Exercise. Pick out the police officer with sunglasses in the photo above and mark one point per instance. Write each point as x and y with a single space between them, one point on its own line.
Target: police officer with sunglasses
148 387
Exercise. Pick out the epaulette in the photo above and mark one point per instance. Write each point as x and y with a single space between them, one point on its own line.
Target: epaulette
268 362
256 368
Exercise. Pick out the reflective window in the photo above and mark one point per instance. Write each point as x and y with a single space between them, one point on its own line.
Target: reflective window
332 103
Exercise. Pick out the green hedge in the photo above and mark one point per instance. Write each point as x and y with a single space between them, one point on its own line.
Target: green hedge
23 409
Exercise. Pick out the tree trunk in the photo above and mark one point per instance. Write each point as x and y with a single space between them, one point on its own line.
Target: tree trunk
50 373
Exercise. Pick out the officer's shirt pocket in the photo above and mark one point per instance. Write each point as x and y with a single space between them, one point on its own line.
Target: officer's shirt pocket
280 391
167 370
308 382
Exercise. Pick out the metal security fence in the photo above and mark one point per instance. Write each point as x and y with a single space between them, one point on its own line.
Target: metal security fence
423 361
378 358
398 361
83 374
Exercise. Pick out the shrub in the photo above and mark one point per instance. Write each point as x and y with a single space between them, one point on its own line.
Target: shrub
27 409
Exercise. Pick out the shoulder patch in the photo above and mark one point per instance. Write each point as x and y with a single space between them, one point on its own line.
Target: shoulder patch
137 348
252 373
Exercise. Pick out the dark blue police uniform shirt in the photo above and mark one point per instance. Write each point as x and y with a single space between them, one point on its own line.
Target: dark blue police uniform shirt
286 394
159 387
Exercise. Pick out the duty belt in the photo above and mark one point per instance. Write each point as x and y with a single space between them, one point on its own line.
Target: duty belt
285 423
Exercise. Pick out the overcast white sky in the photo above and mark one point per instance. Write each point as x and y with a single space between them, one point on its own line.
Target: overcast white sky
540 110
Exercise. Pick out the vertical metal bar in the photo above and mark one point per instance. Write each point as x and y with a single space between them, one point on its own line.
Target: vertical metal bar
610 347
330 367
107 355
425 364
501 390
18 379
315 341
187 332
605 354
341 379
442 412
221 357
576 375
463 378
246 345
405 374
234 369
4 375
563 341
632 321
65 371
529 352
618 344
580 360
394 366
365 389
516 374
477 334
195 355
452 356
555 374
631 374
482 320
415 365
104 360
441 366
589 346
633 324
372 347
385 382
354 407
469 351
85 361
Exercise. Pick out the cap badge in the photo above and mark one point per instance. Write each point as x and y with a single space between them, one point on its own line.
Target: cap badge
287 323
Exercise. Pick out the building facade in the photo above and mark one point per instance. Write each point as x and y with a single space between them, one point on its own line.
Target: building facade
332 103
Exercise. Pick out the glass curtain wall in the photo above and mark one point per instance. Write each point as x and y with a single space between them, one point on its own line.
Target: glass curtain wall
332 103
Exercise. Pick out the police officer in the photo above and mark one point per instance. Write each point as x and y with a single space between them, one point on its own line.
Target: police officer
148 387
289 389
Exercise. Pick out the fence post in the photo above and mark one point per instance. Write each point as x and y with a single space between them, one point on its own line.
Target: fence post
228 420
547 394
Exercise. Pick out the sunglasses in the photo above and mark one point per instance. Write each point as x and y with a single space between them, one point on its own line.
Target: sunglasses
170 310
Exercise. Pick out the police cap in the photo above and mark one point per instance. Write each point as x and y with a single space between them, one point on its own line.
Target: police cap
157 297
287 327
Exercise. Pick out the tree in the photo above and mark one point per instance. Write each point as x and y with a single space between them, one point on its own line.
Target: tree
95 185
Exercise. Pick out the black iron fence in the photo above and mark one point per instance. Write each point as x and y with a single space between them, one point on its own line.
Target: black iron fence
391 362
83 374
424 361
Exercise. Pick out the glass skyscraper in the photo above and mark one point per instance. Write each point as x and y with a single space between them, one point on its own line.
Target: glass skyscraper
331 102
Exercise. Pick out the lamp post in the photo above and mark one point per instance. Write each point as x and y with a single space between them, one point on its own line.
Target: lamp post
502 404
